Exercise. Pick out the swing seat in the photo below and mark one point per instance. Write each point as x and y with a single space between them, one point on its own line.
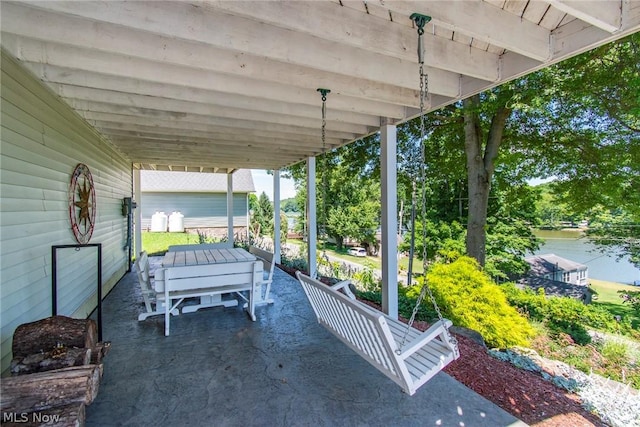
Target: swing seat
376 336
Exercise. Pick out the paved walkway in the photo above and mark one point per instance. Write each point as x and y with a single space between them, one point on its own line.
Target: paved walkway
217 368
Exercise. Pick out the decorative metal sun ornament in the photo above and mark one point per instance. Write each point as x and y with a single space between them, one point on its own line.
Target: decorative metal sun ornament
82 204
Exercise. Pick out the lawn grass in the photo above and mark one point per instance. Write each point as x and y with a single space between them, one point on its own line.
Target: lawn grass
158 243
609 298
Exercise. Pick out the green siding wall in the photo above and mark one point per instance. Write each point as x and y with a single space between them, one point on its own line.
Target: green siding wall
42 140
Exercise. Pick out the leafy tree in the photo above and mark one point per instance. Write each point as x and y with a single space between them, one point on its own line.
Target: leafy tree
550 212
439 234
261 211
597 123
349 205
576 121
615 231
556 122
289 205
347 198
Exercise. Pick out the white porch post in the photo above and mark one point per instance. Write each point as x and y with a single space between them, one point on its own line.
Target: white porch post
248 211
137 227
230 207
389 191
312 235
276 216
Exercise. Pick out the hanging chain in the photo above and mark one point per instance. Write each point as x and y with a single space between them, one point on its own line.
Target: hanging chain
420 21
325 184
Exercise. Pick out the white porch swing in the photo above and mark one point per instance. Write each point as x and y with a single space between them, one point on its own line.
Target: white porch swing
404 354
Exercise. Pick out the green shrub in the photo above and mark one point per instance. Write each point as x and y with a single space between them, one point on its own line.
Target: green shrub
366 280
615 353
562 314
533 304
468 297
406 303
296 262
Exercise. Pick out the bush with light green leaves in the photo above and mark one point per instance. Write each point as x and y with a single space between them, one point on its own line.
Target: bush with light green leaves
469 298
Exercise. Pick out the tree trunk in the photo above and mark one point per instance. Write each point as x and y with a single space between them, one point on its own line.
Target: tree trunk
480 168
46 334
44 390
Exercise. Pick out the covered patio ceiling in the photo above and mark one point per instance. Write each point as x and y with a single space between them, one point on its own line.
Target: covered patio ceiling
219 85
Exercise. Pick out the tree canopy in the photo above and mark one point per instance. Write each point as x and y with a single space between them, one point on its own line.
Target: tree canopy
577 122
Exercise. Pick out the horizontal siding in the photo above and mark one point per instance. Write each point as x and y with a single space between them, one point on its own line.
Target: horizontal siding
200 210
42 142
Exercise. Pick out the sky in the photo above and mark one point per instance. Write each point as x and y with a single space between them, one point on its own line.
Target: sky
264 183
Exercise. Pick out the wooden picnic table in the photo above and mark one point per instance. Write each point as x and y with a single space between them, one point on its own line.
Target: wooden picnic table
187 258
205 256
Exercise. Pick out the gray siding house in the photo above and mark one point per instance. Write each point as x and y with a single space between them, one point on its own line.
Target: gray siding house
559 277
553 267
200 197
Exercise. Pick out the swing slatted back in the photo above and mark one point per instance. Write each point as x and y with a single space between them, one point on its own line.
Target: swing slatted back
376 337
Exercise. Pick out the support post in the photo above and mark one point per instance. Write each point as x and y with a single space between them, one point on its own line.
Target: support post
277 226
389 190
230 208
312 234
137 223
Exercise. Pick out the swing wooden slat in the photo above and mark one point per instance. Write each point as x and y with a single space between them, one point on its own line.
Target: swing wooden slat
377 337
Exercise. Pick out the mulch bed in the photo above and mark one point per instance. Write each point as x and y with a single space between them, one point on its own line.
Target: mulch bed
524 394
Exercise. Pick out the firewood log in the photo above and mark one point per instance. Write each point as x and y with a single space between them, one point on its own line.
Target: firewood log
99 351
57 358
46 334
71 415
45 390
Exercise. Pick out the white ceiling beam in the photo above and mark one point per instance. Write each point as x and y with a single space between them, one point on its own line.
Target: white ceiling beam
125 101
330 21
577 37
216 165
190 157
227 124
222 100
603 14
482 21
190 79
182 22
215 147
129 130
141 87
213 132
358 92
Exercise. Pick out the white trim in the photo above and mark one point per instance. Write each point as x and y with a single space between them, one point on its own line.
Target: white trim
277 226
312 234
388 176
230 208
137 196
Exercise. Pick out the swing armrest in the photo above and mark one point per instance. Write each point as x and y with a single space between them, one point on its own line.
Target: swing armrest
418 342
344 285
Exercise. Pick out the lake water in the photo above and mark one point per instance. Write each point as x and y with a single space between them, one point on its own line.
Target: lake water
570 245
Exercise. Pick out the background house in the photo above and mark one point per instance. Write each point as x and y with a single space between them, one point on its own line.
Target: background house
200 197
553 267
558 277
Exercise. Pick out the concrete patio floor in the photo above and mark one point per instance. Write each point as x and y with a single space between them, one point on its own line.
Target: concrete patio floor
217 368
